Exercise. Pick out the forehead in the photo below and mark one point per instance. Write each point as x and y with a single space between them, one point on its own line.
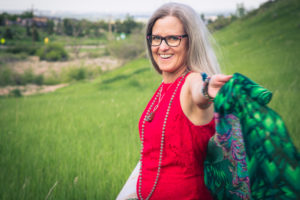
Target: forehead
168 25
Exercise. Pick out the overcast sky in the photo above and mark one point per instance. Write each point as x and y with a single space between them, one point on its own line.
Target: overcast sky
124 6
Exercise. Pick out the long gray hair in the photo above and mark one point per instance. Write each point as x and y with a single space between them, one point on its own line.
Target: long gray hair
200 55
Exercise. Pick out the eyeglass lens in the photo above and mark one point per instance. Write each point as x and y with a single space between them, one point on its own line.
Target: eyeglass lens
170 40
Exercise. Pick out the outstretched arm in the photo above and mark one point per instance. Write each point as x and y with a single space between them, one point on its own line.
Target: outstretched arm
195 105
196 85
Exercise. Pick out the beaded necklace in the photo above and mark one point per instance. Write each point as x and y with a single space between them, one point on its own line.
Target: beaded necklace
161 142
150 116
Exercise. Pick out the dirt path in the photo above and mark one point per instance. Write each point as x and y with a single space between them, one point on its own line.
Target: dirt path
30 89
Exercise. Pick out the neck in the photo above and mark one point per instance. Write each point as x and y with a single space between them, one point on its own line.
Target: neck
170 77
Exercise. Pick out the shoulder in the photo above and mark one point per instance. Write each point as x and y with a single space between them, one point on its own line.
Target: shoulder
190 97
192 78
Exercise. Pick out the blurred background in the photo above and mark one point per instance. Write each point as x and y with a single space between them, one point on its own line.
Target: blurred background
75 78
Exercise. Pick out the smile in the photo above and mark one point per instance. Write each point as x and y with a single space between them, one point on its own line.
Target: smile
165 56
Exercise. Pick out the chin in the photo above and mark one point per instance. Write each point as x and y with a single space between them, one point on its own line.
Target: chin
166 68
169 68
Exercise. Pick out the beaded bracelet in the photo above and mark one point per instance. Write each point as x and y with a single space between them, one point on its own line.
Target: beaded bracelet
205 87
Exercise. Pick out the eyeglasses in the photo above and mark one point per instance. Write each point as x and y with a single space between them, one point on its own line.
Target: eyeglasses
172 40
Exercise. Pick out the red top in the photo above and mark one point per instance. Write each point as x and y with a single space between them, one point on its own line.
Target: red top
185 146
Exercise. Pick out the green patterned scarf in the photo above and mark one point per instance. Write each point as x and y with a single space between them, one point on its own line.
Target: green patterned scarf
251 156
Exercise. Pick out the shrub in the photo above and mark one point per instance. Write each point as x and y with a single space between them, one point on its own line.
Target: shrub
53 56
8 34
23 48
77 73
221 22
9 77
15 93
38 79
52 79
52 52
94 72
95 54
5 76
9 57
18 79
28 76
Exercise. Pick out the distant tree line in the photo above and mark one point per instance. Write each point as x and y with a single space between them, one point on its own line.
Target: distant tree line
80 28
68 26
240 13
223 21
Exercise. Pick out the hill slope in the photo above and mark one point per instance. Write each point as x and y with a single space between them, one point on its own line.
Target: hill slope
266 48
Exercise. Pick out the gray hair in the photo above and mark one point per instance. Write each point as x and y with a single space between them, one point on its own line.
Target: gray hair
200 56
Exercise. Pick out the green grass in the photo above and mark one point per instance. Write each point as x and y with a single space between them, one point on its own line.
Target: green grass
87 130
67 40
85 137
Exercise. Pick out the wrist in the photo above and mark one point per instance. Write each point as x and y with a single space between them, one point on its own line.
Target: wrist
205 86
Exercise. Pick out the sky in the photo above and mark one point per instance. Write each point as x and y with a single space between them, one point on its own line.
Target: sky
123 6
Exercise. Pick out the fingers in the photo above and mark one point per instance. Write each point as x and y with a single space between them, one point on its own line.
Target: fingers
217 81
223 78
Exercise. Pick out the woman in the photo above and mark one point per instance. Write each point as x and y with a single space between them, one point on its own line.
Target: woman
178 121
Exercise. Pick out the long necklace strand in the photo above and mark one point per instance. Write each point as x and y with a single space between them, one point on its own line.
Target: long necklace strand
150 116
161 142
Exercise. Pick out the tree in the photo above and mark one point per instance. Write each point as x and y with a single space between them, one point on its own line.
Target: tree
102 25
2 19
68 28
127 25
27 14
28 31
8 34
240 10
50 27
219 23
202 17
117 27
35 34
12 17
59 29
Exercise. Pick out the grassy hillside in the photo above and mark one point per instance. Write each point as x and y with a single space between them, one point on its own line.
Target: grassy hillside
81 142
266 48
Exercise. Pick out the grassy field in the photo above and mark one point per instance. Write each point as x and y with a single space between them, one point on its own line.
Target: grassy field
81 142
84 137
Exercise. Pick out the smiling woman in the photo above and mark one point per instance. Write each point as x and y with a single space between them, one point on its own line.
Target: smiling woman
187 151
178 121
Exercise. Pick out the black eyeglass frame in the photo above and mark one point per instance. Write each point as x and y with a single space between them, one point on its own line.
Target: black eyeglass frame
165 39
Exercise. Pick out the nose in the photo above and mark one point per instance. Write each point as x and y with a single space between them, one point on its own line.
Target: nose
163 46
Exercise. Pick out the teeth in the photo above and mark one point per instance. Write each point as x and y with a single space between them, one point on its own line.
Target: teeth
165 56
